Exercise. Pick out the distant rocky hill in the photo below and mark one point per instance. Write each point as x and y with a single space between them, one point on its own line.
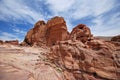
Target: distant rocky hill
11 42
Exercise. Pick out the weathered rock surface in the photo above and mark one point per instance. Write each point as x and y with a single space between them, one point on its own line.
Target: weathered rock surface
83 63
81 32
47 34
98 44
36 36
25 63
78 55
56 31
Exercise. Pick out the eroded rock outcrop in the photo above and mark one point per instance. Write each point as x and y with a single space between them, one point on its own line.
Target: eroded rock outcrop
56 31
78 55
47 34
36 36
83 63
81 32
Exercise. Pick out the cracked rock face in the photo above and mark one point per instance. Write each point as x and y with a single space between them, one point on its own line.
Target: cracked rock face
36 36
83 62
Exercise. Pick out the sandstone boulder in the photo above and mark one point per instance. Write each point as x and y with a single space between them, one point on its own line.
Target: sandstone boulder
56 30
81 32
37 35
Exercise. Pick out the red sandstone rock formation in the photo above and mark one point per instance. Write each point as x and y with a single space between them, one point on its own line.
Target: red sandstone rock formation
81 32
56 31
47 34
12 42
37 35
86 63
78 54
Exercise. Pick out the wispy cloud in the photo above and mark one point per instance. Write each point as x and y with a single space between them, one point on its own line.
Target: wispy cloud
79 9
19 31
59 5
85 8
18 10
7 36
109 27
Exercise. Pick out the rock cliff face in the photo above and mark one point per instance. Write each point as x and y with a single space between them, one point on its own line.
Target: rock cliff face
78 55
82 63
56 31
36 36
47 34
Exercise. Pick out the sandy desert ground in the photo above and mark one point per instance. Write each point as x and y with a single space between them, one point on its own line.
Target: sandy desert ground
25 63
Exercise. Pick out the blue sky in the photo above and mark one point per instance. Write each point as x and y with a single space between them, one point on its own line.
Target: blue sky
18 16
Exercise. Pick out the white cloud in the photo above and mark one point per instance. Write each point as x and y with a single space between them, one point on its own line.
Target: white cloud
69 25
85 8
59 5
79 8
19 31
17 10
111 27
7 36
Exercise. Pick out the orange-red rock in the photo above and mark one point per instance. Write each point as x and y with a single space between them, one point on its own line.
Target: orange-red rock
98 44
37 35
81 32
47 34
74 56
78 54
56 30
